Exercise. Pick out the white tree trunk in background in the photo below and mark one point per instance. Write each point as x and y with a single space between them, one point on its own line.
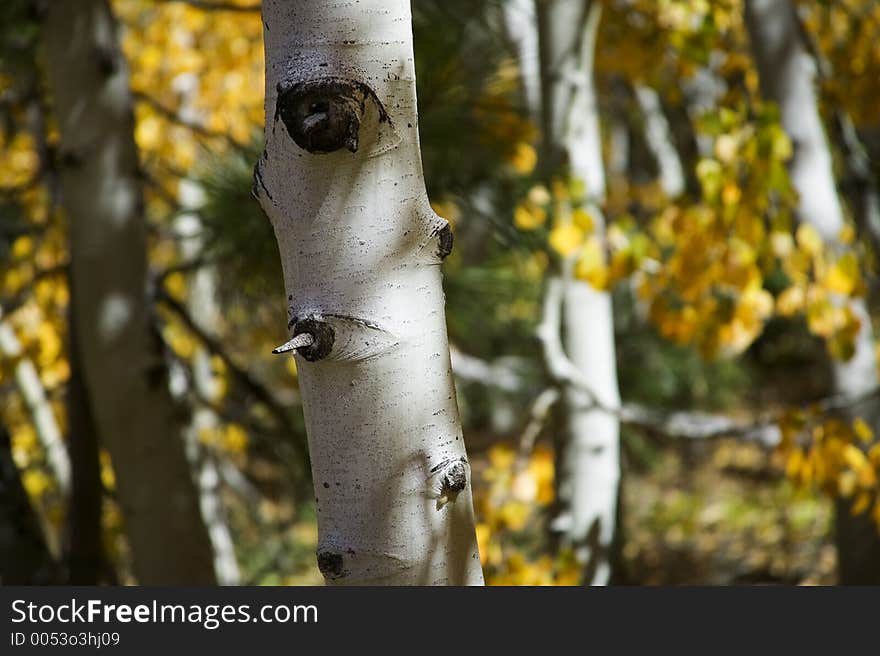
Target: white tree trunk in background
519 22
788 76
341 181
658 137
202 304
590 465
34 396
122 361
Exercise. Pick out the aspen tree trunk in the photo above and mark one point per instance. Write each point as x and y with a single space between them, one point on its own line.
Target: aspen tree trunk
122 361
788 75
590 464
658 137
341 181
202 304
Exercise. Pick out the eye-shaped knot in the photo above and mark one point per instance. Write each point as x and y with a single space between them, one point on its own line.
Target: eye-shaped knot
325 115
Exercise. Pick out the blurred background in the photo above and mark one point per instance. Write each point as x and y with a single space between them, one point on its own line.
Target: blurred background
746 436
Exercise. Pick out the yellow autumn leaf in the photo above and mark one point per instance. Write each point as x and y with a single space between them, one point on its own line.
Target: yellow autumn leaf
843 275
524 158
22 247
781 243
175 285
539 195
861 504
484 534
108 476
527 216
847 234
566 239
731 194
582 219
855 457
235 438
726 147
590 265
808 239
35 482
862 430
846 483
790 301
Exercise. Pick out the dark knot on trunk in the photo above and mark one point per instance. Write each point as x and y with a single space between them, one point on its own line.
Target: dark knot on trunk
325 115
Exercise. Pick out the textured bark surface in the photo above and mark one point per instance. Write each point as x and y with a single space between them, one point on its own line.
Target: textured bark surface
788 77
590 461
341 181
122 363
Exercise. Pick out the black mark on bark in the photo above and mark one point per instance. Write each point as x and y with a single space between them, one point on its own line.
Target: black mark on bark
259 184
323 334
446 239
331 565
324 115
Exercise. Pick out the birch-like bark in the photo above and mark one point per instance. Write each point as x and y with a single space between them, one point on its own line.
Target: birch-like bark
589 473
122 362
519 22
658 137
341 181
787 75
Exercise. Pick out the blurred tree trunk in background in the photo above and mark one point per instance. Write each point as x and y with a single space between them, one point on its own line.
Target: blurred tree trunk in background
788 78
341 181
122 361
202 304
589 465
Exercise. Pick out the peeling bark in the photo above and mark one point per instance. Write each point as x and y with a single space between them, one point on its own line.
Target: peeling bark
341 181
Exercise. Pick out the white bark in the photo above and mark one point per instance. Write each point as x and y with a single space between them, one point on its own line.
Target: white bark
361 250
788 75
590 465
519 21
658 136
122 362
202 304
34 396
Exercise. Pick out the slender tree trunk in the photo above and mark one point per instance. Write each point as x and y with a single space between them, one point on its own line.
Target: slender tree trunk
202 304
788 75
590 463
658 137
122 361
341 180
